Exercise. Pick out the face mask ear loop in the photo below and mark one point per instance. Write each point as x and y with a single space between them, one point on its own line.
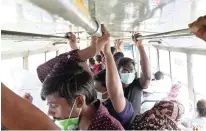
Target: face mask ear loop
72 109
74 102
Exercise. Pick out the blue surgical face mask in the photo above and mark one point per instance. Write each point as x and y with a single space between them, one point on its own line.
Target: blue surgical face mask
127 78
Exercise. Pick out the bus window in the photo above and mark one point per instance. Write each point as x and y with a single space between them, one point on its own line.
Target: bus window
164 61
179 67
34 61
50 55
199 72
179 74
10 63
153 60
7 66
128 51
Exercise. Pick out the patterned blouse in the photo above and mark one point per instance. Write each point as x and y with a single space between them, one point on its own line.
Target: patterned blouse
44 70
103 120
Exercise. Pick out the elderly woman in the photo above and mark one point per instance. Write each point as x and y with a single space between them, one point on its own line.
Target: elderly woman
163 116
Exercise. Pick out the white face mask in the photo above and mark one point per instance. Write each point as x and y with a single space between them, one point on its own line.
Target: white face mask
70 123
99 96
127 78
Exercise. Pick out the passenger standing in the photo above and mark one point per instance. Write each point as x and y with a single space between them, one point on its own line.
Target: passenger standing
100 65
69 90
71 97
110 91
80 56
133 86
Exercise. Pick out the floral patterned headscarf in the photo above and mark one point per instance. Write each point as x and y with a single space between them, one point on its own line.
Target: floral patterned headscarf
162 116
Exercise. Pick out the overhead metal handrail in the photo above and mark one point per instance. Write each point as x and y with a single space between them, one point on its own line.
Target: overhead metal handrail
169 34
15 35
76 13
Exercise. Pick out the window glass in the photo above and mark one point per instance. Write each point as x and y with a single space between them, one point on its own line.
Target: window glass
179 74
6 70
128 51
35 61
199 72
164 61
153 60
179 67
50 55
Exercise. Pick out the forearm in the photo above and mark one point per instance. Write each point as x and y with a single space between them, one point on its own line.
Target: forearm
87 53
114 85
145 66
18 114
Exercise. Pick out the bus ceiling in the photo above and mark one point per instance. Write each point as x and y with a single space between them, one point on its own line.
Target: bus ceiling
31 20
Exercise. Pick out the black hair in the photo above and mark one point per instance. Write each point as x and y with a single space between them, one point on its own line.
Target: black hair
101 77
201 108
91 61
98 58
68 80
118 56
159 75
123 61
113 49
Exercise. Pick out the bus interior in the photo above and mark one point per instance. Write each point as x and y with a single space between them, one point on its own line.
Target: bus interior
32 32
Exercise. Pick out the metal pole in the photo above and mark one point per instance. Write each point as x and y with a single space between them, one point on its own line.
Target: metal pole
175 33
190 80
158 59
75 13
28 36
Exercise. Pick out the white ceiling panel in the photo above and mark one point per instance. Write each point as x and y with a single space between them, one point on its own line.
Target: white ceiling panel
120 16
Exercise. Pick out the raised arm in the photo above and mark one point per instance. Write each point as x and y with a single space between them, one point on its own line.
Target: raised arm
118 44
145 66
113 82
19 114
96 45
77 55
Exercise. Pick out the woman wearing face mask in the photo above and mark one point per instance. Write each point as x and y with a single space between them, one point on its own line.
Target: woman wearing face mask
71 97
133 86
110 91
